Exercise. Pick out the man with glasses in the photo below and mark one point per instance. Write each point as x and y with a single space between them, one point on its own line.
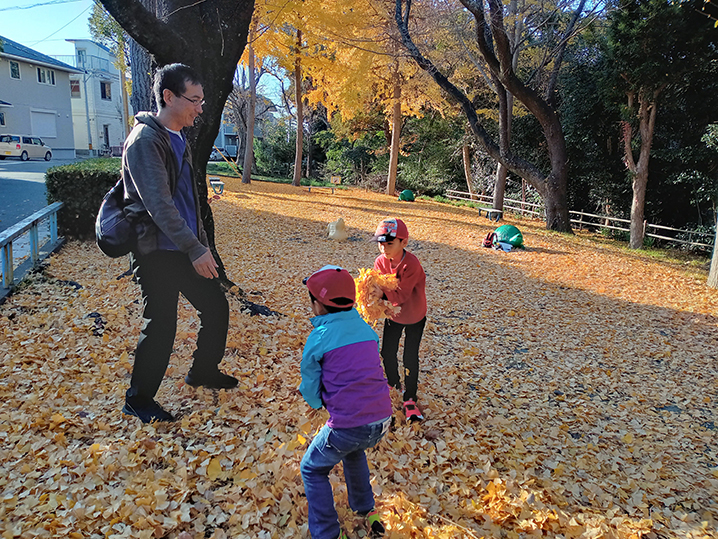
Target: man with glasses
172 254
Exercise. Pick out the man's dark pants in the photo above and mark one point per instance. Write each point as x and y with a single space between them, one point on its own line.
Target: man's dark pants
162 276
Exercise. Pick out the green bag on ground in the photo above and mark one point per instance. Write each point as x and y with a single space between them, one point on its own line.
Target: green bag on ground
407 195
509 234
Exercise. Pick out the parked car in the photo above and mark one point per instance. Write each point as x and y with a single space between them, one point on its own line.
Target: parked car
24 147
216 154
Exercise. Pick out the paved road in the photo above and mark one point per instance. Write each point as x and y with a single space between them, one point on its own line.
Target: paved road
22 188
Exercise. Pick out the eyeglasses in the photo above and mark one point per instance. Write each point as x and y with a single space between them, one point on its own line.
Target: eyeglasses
195 102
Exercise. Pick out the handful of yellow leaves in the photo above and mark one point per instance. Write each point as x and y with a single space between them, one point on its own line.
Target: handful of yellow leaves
369 302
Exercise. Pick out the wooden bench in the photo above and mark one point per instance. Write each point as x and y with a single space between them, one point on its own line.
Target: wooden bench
483 203
217 185
335 180
492 214
319 187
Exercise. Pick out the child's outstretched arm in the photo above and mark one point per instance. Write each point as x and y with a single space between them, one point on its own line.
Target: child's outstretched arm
311 370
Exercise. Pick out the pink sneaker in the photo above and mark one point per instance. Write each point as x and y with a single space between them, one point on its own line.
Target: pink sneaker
411 411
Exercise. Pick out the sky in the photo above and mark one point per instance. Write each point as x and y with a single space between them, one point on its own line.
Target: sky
44 25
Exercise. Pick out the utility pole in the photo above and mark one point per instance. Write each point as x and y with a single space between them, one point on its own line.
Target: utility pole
87 106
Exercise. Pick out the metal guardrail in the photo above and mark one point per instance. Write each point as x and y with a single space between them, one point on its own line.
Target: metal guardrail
588 219
29 225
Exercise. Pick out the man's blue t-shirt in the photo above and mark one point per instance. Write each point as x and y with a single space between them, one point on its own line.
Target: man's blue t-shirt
184 194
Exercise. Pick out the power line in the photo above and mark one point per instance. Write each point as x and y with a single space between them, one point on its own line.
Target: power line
68 24
50 3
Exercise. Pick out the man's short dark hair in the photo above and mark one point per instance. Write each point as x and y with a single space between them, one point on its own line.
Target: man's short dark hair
173 77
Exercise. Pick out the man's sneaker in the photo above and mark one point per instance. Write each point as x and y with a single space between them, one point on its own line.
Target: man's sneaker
411 411
374 521
148 412
215 380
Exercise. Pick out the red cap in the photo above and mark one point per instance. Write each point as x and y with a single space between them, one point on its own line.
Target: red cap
390 229
332 283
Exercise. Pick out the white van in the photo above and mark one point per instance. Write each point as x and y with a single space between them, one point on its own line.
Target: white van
24 147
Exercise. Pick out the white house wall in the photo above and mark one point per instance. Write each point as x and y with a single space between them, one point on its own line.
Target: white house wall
103 112
37 109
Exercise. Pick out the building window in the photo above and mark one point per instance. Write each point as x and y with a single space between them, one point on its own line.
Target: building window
75 88
14 70
45 76
105 90
2 118
81 58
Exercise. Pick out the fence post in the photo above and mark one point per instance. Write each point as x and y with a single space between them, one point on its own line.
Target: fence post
53 227
7 263
645 227
34 244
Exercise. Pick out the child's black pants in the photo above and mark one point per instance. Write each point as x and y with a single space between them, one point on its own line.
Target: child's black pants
390 348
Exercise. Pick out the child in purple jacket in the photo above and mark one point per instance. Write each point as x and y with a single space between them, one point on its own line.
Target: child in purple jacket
342 371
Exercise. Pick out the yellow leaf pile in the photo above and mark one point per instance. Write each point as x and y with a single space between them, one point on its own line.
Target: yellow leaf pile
370 285
570 389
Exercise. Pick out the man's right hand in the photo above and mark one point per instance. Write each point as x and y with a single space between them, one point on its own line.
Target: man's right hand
206 266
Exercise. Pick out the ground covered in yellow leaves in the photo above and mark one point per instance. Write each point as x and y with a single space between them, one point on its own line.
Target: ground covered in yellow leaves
569 389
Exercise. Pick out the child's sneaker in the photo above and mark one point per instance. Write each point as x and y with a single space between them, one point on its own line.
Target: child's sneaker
377 528
411 411
342 535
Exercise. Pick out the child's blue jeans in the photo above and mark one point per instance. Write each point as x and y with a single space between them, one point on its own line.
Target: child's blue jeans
328 448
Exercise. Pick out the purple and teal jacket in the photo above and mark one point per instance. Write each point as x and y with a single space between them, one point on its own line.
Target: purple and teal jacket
341 370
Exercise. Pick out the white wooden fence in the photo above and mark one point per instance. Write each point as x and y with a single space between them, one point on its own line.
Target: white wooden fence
591 221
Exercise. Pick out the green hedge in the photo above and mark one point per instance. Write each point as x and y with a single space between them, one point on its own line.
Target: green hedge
81 186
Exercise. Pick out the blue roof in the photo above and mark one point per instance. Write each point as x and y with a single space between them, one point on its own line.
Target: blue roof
10 47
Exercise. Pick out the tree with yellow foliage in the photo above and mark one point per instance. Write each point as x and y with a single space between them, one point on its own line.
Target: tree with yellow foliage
351 54
360 66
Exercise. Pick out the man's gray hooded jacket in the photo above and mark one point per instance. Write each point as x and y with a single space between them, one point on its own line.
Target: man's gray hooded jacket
150 174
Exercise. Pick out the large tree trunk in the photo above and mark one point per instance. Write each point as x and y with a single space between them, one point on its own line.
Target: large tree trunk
500 187
395 137
504 140
300 112
125 102
713 273
466 156
208 37
647 110
640 181
310 134
249 144
506 108
141 71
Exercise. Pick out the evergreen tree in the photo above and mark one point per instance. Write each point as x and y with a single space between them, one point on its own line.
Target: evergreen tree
658 51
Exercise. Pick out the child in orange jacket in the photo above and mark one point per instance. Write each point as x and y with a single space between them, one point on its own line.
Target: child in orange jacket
392 237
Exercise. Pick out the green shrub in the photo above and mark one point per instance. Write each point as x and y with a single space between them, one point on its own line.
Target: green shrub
222 168
81 186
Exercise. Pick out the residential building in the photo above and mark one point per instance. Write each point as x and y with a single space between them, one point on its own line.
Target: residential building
35 97
231 138
98 98
227 136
